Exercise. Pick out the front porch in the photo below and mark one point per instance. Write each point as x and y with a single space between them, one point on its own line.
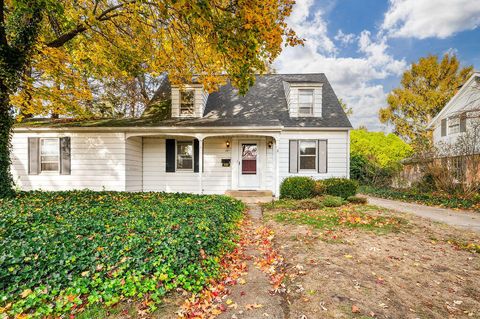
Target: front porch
211 163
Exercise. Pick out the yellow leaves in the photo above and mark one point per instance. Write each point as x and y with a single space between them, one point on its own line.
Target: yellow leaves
26 293
163 277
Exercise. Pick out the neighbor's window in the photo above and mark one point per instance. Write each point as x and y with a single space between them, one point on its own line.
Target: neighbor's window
458 167
186 102
308 155
305 102
453 125
49 154
185 155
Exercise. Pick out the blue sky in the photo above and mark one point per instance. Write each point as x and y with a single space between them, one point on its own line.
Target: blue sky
364 46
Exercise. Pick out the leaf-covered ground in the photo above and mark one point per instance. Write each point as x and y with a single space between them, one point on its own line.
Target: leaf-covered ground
360 261
62 251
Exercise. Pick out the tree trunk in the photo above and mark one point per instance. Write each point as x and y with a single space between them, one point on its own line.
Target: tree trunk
6 123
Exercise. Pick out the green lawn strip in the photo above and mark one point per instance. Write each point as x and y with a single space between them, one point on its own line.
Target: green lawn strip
432 199
349 216
62 250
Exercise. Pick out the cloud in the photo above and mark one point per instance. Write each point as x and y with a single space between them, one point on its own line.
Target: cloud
344 38
430 18
354 79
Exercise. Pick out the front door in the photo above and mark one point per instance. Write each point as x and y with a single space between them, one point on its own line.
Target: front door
249 177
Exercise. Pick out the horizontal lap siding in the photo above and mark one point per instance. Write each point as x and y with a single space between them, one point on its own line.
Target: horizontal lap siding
133 164
97 163
337 153
216 179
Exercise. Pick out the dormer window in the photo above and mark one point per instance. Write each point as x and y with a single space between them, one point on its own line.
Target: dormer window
305 102
187 98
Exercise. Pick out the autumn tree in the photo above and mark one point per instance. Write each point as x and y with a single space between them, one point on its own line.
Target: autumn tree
425 89
50 48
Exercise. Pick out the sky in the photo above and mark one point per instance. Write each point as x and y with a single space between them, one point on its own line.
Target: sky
364 46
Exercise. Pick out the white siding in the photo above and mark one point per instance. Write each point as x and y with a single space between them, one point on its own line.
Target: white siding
216 179
133 164
154 176
292 97
337 153
97 163
200 100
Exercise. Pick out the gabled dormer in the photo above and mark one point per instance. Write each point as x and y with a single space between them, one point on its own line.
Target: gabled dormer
304 99
188 100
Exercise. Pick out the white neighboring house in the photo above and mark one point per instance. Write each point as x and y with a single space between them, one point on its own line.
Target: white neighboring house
456 131
286 125
459 116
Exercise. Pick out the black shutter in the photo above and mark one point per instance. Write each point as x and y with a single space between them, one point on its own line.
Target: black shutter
65 157
293 156
33 156
463 122
170 155
196 153
443 127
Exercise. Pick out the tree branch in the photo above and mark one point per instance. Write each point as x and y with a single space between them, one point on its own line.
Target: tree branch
82 27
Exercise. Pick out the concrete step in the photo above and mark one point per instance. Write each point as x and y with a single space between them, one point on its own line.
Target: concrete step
240 193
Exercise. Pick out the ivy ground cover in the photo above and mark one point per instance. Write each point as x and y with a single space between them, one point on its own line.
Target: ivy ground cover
63 251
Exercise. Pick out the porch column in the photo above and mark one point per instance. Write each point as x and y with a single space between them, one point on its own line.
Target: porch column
200 162
277 167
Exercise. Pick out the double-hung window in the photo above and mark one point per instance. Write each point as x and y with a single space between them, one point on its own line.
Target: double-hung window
184 155
187 98
453 125
305 102
308 155
49 154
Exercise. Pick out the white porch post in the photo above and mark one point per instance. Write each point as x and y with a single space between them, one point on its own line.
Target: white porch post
277 167
200 162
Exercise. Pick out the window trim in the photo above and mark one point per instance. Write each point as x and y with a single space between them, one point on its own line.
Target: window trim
299 156
41 171
456 123
182 91
191 142
300 114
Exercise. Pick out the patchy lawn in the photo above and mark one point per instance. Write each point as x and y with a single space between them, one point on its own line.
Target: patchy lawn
361 261
63 251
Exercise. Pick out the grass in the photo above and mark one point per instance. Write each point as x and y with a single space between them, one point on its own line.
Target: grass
313 212
63 251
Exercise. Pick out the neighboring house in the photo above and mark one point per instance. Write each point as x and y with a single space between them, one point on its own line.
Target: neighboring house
286 125
456 131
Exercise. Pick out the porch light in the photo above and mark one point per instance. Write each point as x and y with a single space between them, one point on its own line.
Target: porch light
227 143
270 144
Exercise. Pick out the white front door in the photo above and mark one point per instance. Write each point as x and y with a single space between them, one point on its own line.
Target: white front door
249 177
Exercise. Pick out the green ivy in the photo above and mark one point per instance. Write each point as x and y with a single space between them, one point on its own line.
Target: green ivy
62 250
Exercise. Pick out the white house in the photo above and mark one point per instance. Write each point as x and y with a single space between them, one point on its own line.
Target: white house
459 115
286 125
456 132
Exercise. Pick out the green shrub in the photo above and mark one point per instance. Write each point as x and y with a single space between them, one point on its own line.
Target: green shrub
319 188
341 187
357 200
332 201
60 251
297 187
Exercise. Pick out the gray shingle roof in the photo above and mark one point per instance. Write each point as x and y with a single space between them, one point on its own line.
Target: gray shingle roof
265 104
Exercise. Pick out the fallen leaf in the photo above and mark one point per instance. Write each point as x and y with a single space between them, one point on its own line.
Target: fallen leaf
355 309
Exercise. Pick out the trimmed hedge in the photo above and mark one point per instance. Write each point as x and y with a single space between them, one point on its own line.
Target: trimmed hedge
332 201
341 187
357 200
297 187
61 251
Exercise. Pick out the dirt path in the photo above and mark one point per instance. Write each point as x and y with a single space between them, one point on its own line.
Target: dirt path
253 297
457 218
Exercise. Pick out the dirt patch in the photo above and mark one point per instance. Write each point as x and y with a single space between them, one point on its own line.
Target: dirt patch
344 272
